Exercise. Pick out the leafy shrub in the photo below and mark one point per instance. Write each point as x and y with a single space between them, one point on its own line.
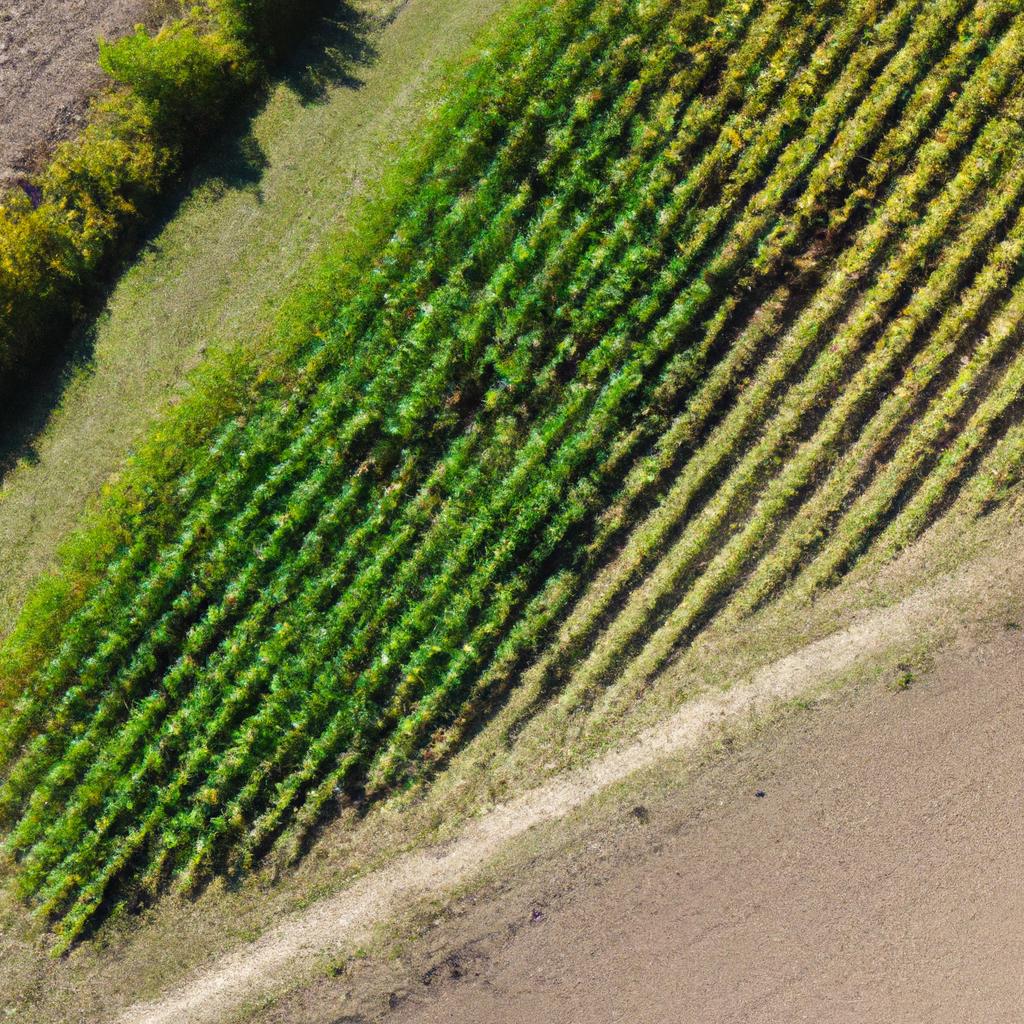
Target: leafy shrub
180 74
175 88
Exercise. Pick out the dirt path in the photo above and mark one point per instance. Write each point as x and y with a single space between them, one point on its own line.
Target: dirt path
48 70
878 880
333 924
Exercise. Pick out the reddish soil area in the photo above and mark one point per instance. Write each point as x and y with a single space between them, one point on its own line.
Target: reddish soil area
48 71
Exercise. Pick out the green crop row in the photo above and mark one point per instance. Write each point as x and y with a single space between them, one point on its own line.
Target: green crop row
742 418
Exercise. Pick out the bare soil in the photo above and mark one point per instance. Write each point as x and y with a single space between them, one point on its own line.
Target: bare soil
860 863
49 70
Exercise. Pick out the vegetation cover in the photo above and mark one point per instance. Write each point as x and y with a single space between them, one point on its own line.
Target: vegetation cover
684 305
61 233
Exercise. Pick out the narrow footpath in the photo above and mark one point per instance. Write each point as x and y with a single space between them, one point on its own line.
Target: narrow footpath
877 880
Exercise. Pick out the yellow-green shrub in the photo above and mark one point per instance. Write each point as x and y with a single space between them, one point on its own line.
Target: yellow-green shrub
183 75
172 89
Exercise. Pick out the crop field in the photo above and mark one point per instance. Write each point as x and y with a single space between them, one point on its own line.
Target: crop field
694 304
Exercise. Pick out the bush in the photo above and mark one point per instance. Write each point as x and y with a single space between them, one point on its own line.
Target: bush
175 87
94 188
183 76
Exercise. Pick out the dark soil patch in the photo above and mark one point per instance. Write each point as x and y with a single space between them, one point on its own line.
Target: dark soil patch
49 71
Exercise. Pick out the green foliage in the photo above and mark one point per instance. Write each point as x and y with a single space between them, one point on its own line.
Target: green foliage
176 87
94 189
185 78
678 303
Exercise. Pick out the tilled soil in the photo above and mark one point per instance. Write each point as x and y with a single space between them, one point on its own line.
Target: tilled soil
860 864
48 71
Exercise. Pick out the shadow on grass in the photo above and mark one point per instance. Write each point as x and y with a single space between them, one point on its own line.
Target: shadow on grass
328 56
331 57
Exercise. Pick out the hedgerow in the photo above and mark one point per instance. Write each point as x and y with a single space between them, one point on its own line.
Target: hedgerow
170 90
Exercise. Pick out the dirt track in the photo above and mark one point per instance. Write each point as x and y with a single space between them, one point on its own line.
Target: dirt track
48 69
869 878
878 880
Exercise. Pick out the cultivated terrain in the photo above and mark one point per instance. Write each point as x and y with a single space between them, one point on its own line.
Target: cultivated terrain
528 395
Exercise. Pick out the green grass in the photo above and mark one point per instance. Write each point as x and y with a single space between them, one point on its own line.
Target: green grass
678 305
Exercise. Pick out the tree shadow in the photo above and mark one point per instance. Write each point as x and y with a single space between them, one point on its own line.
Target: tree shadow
330 57
325 55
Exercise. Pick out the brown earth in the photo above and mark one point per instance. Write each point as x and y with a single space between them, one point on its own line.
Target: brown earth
878 879
48 71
